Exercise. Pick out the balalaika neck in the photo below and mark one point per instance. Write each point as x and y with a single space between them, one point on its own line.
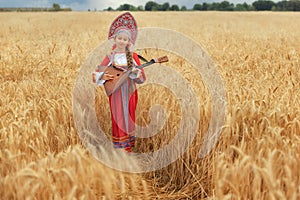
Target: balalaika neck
146 64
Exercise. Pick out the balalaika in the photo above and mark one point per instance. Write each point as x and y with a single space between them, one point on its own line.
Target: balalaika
121 75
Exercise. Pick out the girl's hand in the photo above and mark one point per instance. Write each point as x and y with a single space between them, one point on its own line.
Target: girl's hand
107 77
136 72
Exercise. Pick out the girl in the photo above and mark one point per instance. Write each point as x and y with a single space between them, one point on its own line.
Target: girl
124 100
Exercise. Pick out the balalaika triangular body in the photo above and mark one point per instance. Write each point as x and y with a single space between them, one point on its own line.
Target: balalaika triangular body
121 75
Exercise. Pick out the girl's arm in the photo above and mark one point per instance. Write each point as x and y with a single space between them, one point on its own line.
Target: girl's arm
139 77
97 76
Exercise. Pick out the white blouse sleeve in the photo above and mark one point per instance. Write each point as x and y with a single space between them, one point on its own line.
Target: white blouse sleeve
98 76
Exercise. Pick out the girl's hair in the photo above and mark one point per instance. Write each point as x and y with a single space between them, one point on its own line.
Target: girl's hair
129 58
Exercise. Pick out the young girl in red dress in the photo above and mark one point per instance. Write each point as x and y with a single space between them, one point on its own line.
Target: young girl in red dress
124 100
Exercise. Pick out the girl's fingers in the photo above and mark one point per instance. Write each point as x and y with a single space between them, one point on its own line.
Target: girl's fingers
108 77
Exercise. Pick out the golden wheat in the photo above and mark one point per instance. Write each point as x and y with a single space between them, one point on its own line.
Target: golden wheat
257 156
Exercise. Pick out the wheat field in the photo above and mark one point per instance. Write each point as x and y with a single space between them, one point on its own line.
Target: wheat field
257 156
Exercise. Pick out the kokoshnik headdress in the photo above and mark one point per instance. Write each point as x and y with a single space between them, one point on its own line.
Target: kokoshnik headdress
124 22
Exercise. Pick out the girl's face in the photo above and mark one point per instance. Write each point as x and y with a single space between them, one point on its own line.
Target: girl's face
121 41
